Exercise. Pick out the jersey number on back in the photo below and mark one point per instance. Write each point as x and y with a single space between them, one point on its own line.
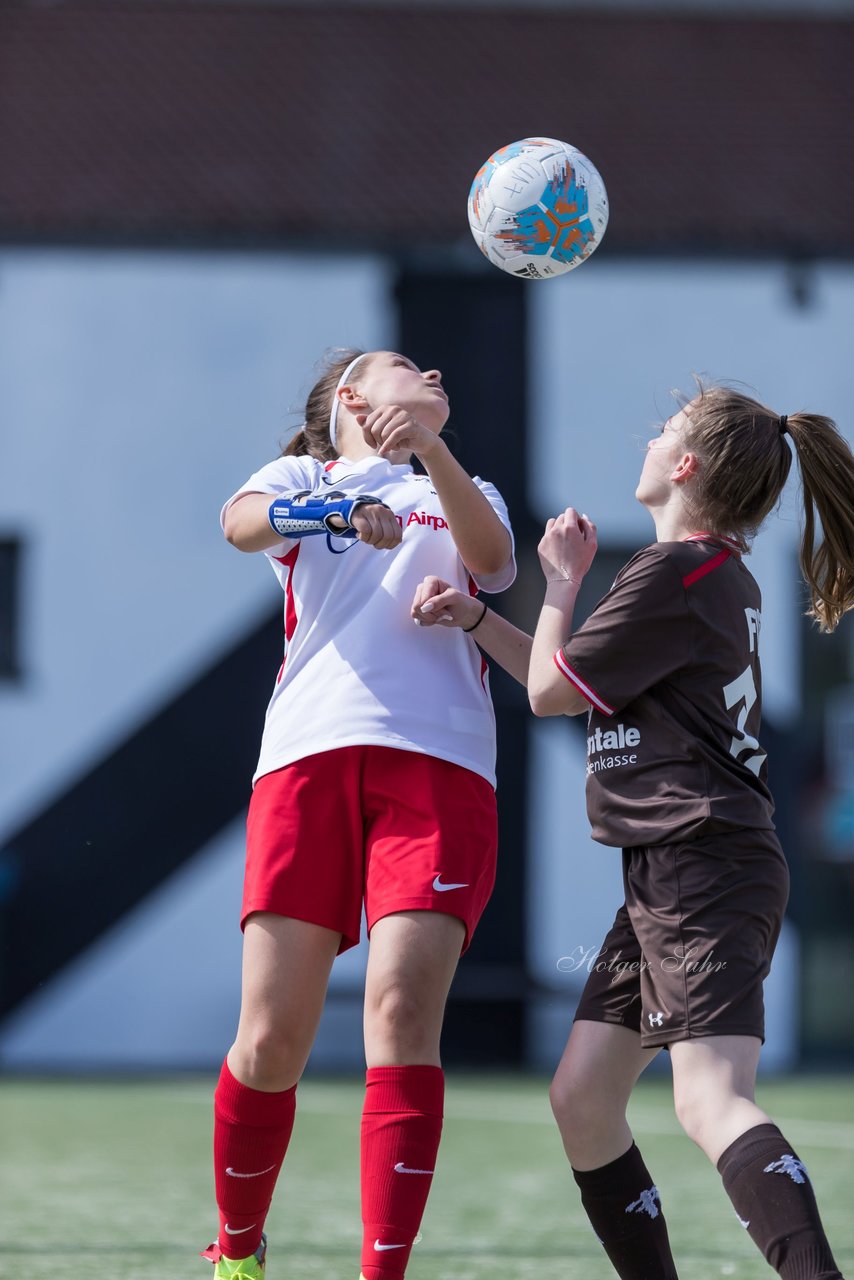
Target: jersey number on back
743 690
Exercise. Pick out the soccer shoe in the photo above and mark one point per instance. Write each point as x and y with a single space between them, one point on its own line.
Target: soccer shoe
251 1268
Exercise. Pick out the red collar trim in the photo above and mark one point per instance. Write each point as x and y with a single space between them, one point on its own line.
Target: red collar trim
718 539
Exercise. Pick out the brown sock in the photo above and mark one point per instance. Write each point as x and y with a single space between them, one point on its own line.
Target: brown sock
624 1209
773 1197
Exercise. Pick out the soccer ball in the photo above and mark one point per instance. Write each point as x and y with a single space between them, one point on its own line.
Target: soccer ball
537 208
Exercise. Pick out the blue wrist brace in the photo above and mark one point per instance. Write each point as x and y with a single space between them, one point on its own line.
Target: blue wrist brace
299 515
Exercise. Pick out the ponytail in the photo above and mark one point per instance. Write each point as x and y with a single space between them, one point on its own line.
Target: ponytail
744 462
312 438
297 445
827 482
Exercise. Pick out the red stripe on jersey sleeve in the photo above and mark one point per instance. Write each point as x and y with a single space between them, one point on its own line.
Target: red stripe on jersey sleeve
291 618
581 685
290 603
708 567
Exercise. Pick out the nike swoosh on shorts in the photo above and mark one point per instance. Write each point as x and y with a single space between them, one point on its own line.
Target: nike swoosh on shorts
443 888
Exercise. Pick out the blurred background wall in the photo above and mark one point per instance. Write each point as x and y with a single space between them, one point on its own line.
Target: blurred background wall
197 198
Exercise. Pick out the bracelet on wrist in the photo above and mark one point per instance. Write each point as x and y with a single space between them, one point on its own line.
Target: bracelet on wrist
479 621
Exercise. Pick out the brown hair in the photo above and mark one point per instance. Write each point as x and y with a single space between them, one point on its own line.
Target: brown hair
744 462
313 436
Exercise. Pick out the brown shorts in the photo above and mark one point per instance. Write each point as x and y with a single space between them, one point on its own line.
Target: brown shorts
689 950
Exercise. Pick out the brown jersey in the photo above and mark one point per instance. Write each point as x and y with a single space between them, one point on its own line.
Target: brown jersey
669 661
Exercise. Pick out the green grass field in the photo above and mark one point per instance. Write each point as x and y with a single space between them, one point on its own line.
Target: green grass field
111 1181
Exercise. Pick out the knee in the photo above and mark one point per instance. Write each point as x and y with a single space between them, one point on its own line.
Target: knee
576 1105
269 1057
696 1109
564 1098
396 1016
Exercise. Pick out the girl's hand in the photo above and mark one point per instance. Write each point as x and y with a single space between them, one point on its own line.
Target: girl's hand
436 601
376 526
567 547
389 428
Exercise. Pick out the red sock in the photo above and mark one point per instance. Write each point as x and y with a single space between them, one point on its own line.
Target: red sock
251 1134
401 1128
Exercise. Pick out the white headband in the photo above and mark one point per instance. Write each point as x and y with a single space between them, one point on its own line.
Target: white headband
333 416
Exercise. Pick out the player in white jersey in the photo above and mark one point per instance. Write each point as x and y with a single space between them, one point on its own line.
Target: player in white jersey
375 786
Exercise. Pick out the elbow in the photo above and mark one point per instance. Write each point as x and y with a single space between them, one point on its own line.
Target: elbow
495 556
501 563
488 567
240 522
542 702
234 536
230 524
556 700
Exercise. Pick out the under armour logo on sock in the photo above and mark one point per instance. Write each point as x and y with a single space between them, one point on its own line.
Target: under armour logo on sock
791 1165
646 1203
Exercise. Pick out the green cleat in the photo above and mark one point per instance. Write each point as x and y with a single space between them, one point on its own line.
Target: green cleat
251 1268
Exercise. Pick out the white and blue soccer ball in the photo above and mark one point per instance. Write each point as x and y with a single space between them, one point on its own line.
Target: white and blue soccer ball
538 208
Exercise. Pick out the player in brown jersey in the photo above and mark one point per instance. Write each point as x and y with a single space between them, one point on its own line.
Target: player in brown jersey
667 667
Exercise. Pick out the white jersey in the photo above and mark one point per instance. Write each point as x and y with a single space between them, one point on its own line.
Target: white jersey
356 669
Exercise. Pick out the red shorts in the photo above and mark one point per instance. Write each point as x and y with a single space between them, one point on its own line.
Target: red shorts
399 830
